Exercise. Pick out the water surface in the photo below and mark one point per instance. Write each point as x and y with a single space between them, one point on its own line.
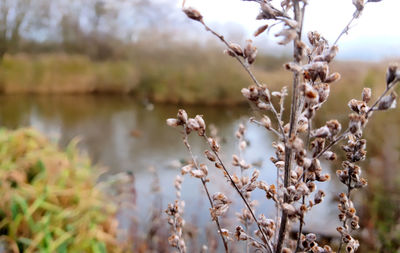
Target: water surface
124 134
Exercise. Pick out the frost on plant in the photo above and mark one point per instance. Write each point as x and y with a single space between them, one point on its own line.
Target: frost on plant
299 145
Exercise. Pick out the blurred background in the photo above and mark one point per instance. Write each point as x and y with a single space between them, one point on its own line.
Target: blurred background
112 71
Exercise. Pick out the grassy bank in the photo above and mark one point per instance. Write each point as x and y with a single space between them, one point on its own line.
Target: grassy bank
203 77
161 77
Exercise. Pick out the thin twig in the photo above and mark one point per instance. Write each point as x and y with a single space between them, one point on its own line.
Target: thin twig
240 194
186 141
345 30
270 129
336 140
249 72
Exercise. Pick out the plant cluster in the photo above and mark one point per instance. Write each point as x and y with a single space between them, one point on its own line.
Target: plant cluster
49 200
299 146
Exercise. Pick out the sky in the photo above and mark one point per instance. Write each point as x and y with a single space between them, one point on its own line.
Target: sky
374 36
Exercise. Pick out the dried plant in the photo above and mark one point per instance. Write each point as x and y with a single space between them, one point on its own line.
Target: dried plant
299 146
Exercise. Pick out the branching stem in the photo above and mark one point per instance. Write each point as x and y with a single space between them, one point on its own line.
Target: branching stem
186 141
241 195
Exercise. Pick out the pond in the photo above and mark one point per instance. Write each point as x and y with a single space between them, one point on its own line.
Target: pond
121 133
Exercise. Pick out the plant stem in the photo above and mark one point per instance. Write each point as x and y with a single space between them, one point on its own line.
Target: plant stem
293 126
205 189
252 76
241 195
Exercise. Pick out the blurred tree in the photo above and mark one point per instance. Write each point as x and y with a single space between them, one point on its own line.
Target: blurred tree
12 17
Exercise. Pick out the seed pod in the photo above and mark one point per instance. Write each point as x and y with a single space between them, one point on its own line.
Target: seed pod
260 30
229 52
210 156
366 95
288 35
294 67
359 4
388 102
391 74
200 121
213 143
268 12
193 14
332 78
236 48
173 122
197 173
193 124
250 52
254 176
186 169
266 122
182 116
332 53
319 197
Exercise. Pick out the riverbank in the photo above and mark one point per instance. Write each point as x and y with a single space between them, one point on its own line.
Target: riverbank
205 78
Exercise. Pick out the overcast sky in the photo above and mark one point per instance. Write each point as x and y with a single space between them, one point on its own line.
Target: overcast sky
375 36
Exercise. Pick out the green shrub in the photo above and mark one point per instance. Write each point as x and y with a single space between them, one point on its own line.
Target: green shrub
48 199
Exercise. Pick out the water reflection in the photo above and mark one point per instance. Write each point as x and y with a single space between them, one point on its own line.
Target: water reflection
121 134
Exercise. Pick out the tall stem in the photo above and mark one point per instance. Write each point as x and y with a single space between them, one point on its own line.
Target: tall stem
292 130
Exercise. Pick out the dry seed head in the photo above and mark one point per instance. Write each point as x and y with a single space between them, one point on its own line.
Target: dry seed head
229 52
291 23
359 4
313 37
332 53
334 127
204 169
388 102
268 12
392 74
292 66
260 30
236 48
250 52
323 92
200 121
250 93
186 169
254 176
290 209
192 124
214 145
263 106
332 78
288 36
240 234
317 146
366 95
173 122
193 14
211 157
198 173
182 116
242 145
266 122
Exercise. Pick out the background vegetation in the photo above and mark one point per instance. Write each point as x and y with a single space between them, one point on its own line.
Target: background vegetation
81 47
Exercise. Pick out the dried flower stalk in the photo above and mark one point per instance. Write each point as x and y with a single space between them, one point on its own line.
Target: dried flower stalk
299 148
